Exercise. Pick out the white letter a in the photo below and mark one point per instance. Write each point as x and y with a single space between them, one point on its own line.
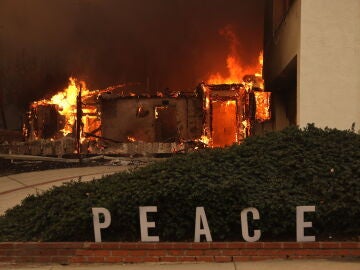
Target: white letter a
201 218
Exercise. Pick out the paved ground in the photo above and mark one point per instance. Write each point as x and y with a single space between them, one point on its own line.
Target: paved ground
14 188
268 265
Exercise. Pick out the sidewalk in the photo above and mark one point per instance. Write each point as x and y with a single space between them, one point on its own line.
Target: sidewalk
14 188
264 265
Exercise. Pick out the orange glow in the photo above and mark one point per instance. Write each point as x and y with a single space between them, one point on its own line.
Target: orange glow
157 109
66 103
237 71
260 65
230 103
236 68
159 94
223 123
131 139
204 139
262 100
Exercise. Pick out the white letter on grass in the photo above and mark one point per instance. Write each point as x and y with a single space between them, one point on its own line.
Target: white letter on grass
201 218
96 211
245 226
301 224
145 224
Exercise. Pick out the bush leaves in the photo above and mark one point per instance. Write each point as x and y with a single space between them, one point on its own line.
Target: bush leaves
273 173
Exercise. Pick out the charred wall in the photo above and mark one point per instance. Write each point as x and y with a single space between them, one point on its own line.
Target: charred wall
151 119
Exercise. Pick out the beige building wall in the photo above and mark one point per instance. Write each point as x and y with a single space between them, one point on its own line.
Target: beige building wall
324 36
329 85
285 43
282 48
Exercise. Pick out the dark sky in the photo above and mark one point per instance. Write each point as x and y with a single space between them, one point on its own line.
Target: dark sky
173 43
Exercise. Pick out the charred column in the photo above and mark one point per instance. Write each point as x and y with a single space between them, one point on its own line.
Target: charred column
79 113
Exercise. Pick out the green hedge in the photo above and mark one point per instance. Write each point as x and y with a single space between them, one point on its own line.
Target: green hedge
274 173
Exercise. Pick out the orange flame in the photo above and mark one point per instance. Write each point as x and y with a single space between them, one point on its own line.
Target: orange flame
66 102
262 100
235 66
204 139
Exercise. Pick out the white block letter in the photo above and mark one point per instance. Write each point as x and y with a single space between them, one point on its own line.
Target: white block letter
96 211
245 226
144 224
301 224
201 218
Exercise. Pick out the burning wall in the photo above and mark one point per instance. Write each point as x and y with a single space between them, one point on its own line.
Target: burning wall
231 110
57 117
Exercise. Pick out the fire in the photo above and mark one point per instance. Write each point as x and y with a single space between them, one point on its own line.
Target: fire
205 140
230 103
229 115
65 102
262 100
158 109
131 139
260 65
223 123
235 66
237 71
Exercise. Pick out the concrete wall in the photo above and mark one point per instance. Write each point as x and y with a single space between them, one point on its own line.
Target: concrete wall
281 50
120 120
324 37
282 44
329 92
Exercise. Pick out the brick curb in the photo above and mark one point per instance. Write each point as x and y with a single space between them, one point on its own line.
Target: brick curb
126 252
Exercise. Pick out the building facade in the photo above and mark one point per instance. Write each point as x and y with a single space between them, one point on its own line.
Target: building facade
312 62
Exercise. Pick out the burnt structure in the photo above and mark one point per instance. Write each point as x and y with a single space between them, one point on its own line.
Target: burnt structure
231 111
151 119
216 115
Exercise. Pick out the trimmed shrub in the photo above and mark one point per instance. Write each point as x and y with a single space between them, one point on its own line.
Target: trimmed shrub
273 173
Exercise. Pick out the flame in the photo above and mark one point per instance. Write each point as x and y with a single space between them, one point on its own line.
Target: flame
228 123
262 100
205 139
159 94
230 103
66 104
260 65
235 67
223 123
158 109
131 139
237 71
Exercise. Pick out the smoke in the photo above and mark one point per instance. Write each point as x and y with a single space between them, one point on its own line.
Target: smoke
169 44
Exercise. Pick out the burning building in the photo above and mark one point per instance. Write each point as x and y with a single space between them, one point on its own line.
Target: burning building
231 110
216 115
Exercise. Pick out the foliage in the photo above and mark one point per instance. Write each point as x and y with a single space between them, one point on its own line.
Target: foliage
274 173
